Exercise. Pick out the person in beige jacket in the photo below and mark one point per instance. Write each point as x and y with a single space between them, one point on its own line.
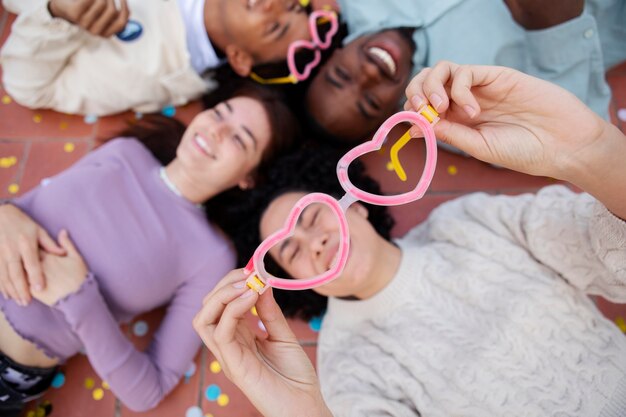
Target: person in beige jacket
64 55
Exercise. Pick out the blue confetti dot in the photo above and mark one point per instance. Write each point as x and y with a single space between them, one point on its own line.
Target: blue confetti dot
212 392
191 371
140 328
194 412
90 119
316 323
138 115
168 111
58 381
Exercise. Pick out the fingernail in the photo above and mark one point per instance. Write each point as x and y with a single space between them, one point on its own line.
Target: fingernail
239 284
247 294
436 101
417 102
37 287
469 110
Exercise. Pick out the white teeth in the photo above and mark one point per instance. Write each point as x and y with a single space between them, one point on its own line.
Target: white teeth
385 57
201 142
251 3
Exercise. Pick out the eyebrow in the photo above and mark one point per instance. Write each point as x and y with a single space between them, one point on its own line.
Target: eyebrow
249 132
243 127
283 31
363 112
287 241
331 80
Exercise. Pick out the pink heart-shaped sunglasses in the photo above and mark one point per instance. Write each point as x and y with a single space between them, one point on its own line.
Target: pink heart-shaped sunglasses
259 279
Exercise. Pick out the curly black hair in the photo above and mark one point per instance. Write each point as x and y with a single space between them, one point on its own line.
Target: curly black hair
310 169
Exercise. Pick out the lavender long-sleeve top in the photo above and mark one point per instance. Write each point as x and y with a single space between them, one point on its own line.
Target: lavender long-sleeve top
145 247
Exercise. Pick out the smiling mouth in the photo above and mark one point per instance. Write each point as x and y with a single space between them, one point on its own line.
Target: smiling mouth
384 60
202 144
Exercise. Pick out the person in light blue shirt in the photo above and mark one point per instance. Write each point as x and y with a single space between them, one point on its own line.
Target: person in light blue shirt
568 42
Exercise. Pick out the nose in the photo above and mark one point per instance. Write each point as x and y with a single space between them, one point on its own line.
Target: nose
219 130
317 243
369 75
271 5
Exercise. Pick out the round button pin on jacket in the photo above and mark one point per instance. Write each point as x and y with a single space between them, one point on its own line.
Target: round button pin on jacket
132 31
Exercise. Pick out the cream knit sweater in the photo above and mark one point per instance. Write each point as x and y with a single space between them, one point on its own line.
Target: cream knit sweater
488 315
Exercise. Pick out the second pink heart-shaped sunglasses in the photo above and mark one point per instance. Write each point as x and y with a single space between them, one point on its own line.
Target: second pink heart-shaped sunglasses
259 279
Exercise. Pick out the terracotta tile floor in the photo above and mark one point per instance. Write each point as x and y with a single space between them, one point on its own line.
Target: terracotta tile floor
37 144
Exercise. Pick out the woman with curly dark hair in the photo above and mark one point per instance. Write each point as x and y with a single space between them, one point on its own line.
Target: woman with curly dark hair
136 210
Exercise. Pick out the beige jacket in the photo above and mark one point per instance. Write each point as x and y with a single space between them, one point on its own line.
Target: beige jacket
50 63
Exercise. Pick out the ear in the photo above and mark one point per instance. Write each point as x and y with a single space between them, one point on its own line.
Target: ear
240 61
246 183
360 209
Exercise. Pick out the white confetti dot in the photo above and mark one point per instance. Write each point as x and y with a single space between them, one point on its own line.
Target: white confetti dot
194 412
140 328
621 114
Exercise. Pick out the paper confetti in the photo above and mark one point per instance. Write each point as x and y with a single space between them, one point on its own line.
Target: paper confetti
140 328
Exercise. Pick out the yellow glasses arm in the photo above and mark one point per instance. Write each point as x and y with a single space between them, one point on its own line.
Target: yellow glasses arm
429 114
289 79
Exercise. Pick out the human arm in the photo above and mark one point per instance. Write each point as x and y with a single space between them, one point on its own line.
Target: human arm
38 69
274 372
532 126
20 266
505 117
139 379
98 17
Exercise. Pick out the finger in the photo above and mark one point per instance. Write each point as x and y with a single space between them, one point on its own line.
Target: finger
8 287
233 277
215 305
5 286
414 91
32 264
234 312
434 84
18 279
460 91
91 15
463 137
49 244
120 21
273 318
108 15
67 244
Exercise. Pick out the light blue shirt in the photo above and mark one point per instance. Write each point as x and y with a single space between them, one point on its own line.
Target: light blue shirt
483 32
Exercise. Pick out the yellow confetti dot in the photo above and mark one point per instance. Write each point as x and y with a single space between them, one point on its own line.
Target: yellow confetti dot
621 323
40 412
208 415
89 383
452 170
13 188
215 367
98 394
389 166
253 311
63 125
6 99
8 162
30 414
223 400
69 147
37 118
105 385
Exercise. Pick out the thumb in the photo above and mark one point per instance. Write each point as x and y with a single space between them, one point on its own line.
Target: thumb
66 243
49 244
463 137
273 318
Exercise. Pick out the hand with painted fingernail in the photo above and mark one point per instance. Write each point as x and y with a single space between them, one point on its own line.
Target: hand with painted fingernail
273 372
65 274
98 17
21 239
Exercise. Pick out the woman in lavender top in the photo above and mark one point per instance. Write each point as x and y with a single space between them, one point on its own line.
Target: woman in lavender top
131 221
